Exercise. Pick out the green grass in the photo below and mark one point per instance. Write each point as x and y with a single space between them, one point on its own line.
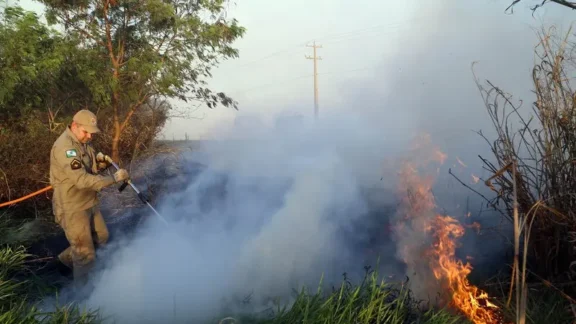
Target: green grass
373 301
17 295
20 288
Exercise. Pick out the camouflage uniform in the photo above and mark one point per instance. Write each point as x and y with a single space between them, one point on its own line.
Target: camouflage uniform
76 183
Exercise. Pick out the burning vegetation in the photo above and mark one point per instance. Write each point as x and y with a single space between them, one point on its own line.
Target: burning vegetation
453 273
440 240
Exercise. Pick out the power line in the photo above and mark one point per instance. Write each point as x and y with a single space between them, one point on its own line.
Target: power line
329 37
348 38
359 31
275 83
302 77
286 50
367 29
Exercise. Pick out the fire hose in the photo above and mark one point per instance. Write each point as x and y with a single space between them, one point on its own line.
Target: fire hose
15 201
121 188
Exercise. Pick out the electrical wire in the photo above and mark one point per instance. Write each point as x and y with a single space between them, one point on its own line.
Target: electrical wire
301 77
331 38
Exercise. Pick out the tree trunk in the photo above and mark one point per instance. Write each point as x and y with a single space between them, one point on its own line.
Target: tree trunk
115 147
117 132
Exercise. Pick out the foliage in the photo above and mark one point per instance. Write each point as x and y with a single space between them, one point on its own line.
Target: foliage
135 50
31 56
29 52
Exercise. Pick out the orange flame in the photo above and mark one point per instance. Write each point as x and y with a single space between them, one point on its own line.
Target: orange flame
453 274
418 206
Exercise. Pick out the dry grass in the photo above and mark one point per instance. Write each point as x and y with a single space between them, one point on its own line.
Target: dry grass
535 171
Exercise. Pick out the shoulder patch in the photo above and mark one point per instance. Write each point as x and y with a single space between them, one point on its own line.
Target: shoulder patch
71 153
75 164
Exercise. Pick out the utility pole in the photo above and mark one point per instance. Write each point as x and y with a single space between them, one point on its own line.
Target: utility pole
315 58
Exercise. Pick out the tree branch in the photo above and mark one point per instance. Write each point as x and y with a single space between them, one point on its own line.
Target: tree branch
568 4
67 22
109 38
132 110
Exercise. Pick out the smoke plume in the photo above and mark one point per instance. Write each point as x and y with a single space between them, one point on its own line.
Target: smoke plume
271 212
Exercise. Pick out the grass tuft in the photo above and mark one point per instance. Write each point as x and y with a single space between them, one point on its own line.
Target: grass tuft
20 289
373 301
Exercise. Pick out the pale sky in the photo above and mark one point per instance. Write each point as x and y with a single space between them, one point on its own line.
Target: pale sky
408 60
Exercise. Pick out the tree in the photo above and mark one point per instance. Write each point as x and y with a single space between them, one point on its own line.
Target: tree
568 4
136 50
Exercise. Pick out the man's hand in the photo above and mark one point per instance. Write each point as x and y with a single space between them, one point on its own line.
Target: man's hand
121 175
102 161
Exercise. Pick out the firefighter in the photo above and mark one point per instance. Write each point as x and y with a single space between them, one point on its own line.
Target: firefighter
76 180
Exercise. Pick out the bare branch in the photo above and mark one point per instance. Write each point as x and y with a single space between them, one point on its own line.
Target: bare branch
568 4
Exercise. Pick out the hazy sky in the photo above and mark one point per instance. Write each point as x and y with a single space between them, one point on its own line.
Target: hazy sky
383 57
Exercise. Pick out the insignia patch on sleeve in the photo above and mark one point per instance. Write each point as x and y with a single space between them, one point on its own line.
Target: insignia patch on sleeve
71 153
75 164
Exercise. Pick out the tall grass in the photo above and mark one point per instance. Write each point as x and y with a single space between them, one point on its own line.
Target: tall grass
535 170
543 148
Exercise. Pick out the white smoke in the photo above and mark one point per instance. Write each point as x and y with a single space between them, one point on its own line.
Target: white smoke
271 213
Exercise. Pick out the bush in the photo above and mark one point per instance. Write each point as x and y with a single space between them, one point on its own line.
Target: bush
24 162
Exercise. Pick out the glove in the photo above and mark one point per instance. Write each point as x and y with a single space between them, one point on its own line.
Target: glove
102 165
102 161
121 175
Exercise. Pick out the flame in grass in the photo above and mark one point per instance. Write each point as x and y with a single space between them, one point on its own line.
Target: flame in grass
451 274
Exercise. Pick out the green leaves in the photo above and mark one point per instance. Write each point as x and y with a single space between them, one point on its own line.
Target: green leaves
160 48
29 54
